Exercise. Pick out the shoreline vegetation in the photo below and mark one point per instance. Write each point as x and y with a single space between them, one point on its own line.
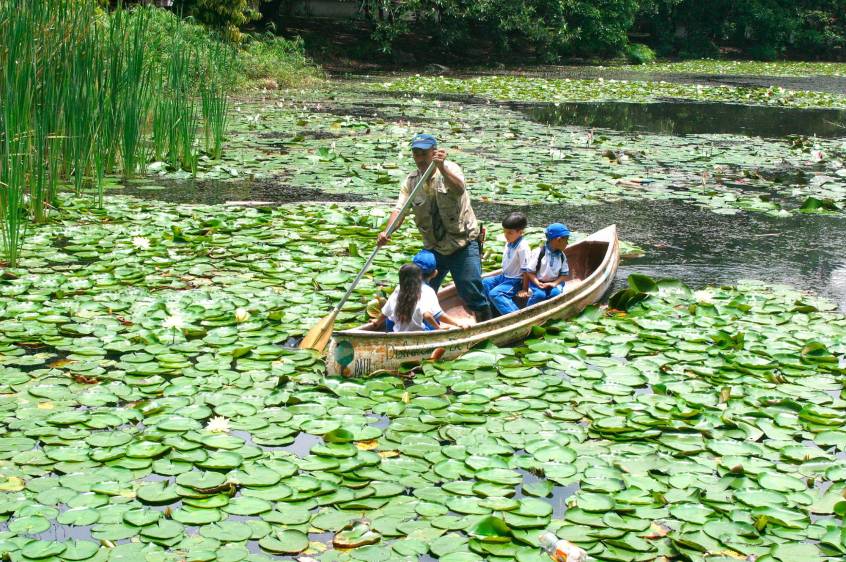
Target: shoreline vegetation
87 94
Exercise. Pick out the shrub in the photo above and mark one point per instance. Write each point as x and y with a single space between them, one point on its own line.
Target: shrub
638 53
281 60
225 15
258 57
762 52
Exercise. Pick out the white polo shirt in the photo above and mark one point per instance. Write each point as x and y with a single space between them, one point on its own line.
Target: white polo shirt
428 302
515 258
553 265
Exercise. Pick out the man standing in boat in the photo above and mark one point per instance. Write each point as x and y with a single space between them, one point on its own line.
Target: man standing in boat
446 221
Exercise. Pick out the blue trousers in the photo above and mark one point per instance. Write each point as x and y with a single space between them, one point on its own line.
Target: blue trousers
539 295
465 265
501 291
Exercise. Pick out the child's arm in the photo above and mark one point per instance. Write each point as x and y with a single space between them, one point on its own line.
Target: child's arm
447 319
541 284
560 279
431 320
524 292
379 322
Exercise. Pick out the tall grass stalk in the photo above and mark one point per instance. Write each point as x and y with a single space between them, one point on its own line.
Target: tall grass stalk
86 93
136 89
183 115
19 75
215 99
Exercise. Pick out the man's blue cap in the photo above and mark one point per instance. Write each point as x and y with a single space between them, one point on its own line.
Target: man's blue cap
557 230
425 260
424 141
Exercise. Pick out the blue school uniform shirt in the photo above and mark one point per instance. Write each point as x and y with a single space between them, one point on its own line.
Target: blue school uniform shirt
553 264
515 258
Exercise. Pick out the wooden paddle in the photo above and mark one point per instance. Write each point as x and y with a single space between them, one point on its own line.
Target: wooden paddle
319 334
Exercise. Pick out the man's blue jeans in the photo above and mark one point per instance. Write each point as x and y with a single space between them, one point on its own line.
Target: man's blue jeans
466 269
501 291
539 295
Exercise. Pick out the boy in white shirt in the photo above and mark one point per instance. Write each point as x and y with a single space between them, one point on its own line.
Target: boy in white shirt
501 289
548 268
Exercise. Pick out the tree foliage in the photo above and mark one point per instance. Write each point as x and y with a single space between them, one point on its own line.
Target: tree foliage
226 15
764 29
549 30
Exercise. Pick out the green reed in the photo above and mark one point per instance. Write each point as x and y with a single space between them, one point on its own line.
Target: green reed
181 107
85 94
214 95
18 75
136 90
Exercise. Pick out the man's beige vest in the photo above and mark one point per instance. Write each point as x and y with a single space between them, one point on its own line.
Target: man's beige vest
454 210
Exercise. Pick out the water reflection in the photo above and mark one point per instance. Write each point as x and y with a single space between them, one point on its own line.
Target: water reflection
302 444
686 118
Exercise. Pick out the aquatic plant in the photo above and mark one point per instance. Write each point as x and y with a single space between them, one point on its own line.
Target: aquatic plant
135 93
78 95
215 99
698 421
520 88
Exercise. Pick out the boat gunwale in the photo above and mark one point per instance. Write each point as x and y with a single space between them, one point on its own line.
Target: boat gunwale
607 234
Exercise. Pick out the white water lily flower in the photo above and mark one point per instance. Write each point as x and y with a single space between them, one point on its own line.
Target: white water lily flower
218 424
703 295
141 243
175 321
241 315
817 155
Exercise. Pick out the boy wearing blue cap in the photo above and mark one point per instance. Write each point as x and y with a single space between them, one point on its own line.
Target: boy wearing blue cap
501 289
447 223
548 268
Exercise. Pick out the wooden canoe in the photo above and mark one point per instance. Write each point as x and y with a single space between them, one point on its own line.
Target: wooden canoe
365 350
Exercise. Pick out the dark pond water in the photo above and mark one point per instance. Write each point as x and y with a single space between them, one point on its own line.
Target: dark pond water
687 118
681 240
703 248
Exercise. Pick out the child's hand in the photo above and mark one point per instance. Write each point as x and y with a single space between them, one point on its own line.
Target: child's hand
523 294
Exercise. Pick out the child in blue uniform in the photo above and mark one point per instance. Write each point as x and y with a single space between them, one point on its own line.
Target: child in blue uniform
548 268
501 289
414 305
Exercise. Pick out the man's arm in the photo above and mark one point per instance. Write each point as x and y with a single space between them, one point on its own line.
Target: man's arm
383 237
453 178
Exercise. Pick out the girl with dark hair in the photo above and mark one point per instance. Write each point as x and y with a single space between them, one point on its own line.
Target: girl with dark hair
414 305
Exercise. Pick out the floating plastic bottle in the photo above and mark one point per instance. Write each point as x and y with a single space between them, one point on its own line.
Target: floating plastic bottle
561 550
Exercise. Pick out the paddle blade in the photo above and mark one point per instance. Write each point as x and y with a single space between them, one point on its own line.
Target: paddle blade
319 334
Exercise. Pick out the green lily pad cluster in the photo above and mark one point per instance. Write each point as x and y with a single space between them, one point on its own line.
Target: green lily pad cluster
693 426
746 68
519 88
354 142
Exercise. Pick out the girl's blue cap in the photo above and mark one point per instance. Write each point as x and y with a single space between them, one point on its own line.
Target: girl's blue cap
425 260
557 230
424 141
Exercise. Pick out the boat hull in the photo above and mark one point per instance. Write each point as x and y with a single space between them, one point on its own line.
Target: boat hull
360 352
